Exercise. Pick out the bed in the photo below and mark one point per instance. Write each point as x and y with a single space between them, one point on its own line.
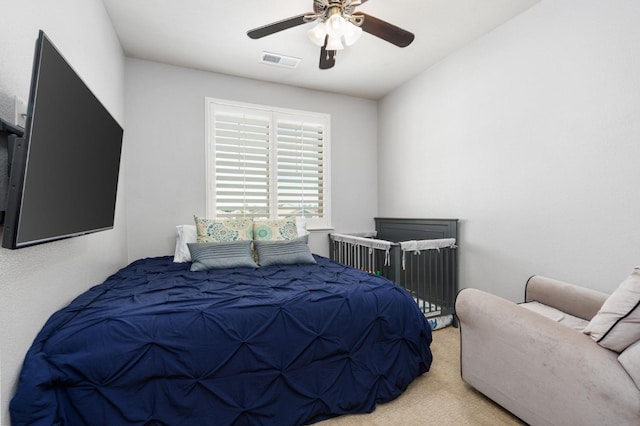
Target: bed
158 344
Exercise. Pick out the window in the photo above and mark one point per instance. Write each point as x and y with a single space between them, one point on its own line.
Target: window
265 162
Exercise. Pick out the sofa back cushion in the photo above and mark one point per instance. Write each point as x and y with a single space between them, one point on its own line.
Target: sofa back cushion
617 324
569 298
630 360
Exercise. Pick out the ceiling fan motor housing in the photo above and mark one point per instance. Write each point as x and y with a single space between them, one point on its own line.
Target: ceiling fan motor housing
325 9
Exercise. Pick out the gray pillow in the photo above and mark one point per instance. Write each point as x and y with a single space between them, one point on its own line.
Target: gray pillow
289 252
230 254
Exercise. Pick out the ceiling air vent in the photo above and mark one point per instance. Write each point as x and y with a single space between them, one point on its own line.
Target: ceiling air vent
279 60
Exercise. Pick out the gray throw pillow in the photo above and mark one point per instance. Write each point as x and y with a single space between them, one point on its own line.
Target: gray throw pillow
289 252
231 254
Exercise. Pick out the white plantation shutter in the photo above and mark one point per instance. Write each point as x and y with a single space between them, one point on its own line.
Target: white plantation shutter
266 163
300 168
242 165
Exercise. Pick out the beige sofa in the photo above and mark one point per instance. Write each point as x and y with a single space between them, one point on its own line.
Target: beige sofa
535 360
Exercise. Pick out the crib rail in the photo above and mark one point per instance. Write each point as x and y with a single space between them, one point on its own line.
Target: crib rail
360 252
430 277
427 270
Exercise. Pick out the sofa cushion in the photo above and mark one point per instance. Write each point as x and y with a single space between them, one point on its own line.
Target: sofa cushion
630 360
617 323
544 310
556 315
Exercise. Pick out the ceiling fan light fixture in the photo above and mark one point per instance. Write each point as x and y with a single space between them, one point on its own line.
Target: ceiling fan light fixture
352 35
336 26
334 43
317 34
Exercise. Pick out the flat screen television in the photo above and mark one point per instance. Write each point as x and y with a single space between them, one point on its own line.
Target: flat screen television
64 172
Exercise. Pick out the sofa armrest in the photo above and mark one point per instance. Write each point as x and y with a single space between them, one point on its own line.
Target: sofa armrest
574 300
540 370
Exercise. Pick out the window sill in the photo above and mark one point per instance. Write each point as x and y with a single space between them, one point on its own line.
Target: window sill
321 229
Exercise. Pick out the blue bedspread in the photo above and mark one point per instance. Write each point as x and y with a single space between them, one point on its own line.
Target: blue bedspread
279 345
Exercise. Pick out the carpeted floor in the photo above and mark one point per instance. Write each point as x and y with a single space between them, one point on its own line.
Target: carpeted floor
437 397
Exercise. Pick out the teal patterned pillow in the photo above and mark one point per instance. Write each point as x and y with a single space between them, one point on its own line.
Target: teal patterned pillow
231 254
217 231
275 230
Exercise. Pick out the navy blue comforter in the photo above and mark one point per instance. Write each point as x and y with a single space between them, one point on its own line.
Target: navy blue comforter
279 345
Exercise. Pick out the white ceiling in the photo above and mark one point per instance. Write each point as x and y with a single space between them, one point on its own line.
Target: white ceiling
211 35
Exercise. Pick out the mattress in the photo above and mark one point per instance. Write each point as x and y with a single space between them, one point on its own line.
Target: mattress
279 345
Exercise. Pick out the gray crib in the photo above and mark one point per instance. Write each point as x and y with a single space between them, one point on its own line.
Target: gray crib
417 254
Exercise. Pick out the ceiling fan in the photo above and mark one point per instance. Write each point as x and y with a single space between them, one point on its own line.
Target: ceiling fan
338 24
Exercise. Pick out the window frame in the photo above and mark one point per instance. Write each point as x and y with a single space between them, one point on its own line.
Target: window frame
214 104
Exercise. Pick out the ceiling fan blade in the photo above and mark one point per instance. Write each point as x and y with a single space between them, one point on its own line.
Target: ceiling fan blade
386 31
277 26
327 57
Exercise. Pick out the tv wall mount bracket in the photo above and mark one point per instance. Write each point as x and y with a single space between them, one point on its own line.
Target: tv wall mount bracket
8 135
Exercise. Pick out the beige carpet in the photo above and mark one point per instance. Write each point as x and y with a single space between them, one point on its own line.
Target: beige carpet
437 397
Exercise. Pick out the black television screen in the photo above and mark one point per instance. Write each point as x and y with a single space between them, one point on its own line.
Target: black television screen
64 173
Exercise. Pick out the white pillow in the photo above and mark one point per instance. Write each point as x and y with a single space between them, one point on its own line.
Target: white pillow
301 225
184 234
617 324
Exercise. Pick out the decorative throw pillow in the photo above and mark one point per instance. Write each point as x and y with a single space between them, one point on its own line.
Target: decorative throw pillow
184 234
210 230
284 252
617 323
230 254
275 230
630 360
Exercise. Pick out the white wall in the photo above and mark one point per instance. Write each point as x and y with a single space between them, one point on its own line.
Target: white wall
165 156
530 136
36 281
